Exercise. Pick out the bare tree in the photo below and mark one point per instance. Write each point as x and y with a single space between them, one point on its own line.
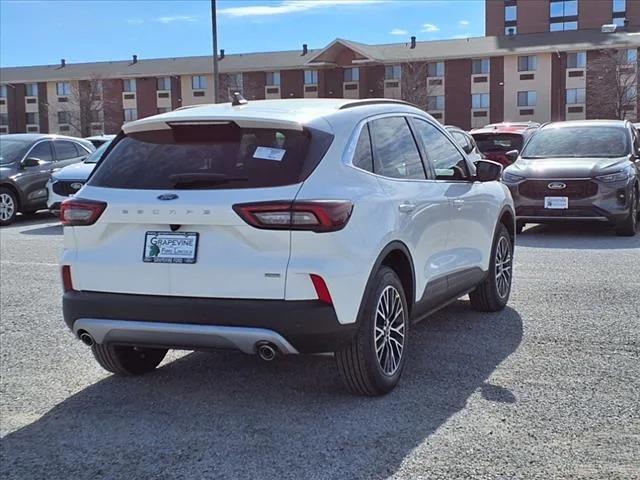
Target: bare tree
414 85
612 82
237 82
85 104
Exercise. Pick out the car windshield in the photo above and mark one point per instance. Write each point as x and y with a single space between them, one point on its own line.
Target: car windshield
498 142
574 142
12 150
95 156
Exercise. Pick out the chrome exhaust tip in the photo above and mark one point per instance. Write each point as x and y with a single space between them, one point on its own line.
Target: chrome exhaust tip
86 339
266 351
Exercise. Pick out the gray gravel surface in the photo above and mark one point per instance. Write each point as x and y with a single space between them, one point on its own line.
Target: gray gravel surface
546 389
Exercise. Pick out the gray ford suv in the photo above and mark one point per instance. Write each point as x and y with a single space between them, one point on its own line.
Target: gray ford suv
578 170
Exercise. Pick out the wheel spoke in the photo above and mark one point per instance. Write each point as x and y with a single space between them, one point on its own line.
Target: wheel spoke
389 330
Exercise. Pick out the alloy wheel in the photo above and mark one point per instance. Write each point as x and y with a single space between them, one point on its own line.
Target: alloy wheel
7 207
389 331
503 267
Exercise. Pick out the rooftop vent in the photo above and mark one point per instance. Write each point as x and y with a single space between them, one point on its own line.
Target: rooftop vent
413 42
608 28
305 49
221 54
135 59
63 62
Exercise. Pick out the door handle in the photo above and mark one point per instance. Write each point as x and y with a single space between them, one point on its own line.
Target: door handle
407 207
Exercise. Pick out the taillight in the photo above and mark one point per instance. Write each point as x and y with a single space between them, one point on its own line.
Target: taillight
76 211
313 215
67 284
321 289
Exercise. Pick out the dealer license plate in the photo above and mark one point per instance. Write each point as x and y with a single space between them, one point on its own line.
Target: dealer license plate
557 203
170 247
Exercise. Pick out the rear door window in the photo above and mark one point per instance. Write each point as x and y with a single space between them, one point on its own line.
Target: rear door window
395 151
66 150
221 156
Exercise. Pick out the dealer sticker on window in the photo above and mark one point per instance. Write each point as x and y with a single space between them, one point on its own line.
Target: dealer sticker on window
268 153
170 247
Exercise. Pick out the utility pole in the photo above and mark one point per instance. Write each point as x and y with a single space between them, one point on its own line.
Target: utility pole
214 33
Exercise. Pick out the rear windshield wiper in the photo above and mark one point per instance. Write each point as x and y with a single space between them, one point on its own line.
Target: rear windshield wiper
202 180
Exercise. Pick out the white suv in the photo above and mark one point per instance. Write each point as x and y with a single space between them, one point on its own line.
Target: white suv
282 227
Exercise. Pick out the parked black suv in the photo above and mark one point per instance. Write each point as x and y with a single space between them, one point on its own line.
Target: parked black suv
26 162
578 170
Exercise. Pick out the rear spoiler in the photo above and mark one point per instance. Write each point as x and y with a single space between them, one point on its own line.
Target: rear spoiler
162 122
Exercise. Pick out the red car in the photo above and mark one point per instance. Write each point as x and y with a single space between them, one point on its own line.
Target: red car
495 140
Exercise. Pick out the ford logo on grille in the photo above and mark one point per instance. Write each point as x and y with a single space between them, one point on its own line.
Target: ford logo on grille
167 196
557 186
76 185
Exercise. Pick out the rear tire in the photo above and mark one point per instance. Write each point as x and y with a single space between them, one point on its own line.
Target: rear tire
128 360
372 363
629 226
8 206
493 293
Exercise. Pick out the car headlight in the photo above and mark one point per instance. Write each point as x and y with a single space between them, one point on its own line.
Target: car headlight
615 177
511 178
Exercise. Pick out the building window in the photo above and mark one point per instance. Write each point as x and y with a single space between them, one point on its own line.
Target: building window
32 118
618 21
527 98
130 114
630 94
163 109
435 69
527 63
510 13
435 102
63 117
575 95
392 72
480 66
562 26
129 85
632 56
563 8
619 6
273 79
3 91
164 83
480 100
310 77
352 74
198 82
4 118
97 116
31 89
576 59
63 88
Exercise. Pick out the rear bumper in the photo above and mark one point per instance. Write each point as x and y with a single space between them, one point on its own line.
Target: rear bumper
304 326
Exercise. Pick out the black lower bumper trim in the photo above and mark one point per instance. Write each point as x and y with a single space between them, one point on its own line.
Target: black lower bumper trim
309 325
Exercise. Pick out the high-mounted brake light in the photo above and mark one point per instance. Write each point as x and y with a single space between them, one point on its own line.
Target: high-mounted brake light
76 211
312 215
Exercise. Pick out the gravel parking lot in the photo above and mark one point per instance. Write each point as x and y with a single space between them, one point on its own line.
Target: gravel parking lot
549 388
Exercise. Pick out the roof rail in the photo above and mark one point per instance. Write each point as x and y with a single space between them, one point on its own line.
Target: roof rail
375 101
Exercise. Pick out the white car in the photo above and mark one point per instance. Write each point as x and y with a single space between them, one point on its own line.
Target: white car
67 181
282 227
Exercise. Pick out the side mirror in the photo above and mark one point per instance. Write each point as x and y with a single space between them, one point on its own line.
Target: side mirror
31 162
512 155
488 171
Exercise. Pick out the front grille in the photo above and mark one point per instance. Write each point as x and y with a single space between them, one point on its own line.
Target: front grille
575 189
65 189
547 212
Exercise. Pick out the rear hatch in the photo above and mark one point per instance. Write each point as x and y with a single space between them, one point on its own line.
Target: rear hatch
495 145
169 227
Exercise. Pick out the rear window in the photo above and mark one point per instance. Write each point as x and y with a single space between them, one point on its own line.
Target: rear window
221 156
572 142
498 142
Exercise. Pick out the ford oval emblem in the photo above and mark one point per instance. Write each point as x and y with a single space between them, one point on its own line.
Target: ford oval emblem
557 186
167 196
76 185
